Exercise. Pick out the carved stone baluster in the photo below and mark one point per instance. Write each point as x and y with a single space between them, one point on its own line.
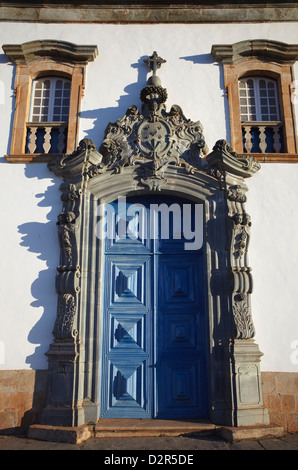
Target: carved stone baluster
262 137
276 139
47 140
247 139
32 139
61 140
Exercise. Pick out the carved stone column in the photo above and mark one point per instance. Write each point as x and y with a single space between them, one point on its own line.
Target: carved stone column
66 353
244 354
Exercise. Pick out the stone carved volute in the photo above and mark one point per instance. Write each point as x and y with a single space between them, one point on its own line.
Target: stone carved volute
68 272
231 168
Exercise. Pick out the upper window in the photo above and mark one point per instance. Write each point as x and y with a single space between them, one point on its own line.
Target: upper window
48 117
257 78
49 85
50 100
258 99
262 129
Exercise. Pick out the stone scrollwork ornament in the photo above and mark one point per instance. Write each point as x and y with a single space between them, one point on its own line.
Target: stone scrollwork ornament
243 324
241 234
65 316
68 274
154 139
223 158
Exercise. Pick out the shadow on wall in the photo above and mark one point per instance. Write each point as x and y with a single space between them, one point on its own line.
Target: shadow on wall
102 117
205 59
41 238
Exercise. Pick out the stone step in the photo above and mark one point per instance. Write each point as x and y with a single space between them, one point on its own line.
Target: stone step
122 428
151 427
156 428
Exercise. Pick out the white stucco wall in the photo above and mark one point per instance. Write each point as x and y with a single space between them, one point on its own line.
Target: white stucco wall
30 199
29 256
272 202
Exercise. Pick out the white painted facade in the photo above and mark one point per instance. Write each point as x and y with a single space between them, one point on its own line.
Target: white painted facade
30 198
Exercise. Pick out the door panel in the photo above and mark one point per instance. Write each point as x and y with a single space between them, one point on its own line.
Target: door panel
154 337
179 274
180 352
127 327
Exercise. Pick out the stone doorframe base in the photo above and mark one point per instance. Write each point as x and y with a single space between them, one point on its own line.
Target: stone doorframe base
234 357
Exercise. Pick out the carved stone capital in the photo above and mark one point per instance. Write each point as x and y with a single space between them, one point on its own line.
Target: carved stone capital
225 159
235 193
72 167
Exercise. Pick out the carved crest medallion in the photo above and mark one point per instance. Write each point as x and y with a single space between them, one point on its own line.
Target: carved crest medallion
152 139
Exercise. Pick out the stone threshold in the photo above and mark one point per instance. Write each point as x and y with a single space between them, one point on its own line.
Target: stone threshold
126 428
151 427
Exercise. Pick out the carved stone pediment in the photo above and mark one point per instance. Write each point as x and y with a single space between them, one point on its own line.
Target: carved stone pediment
152 140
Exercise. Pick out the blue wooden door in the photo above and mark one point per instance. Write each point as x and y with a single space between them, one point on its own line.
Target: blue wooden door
154 330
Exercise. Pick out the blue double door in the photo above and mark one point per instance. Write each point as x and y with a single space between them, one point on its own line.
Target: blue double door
154 362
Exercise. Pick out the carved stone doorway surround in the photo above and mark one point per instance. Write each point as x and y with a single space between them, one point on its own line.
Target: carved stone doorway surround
162 151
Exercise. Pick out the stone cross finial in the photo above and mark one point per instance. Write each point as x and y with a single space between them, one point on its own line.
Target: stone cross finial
154 62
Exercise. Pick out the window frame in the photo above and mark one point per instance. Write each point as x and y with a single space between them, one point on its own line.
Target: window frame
257 97
269 59
38 59
283 77
52 97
